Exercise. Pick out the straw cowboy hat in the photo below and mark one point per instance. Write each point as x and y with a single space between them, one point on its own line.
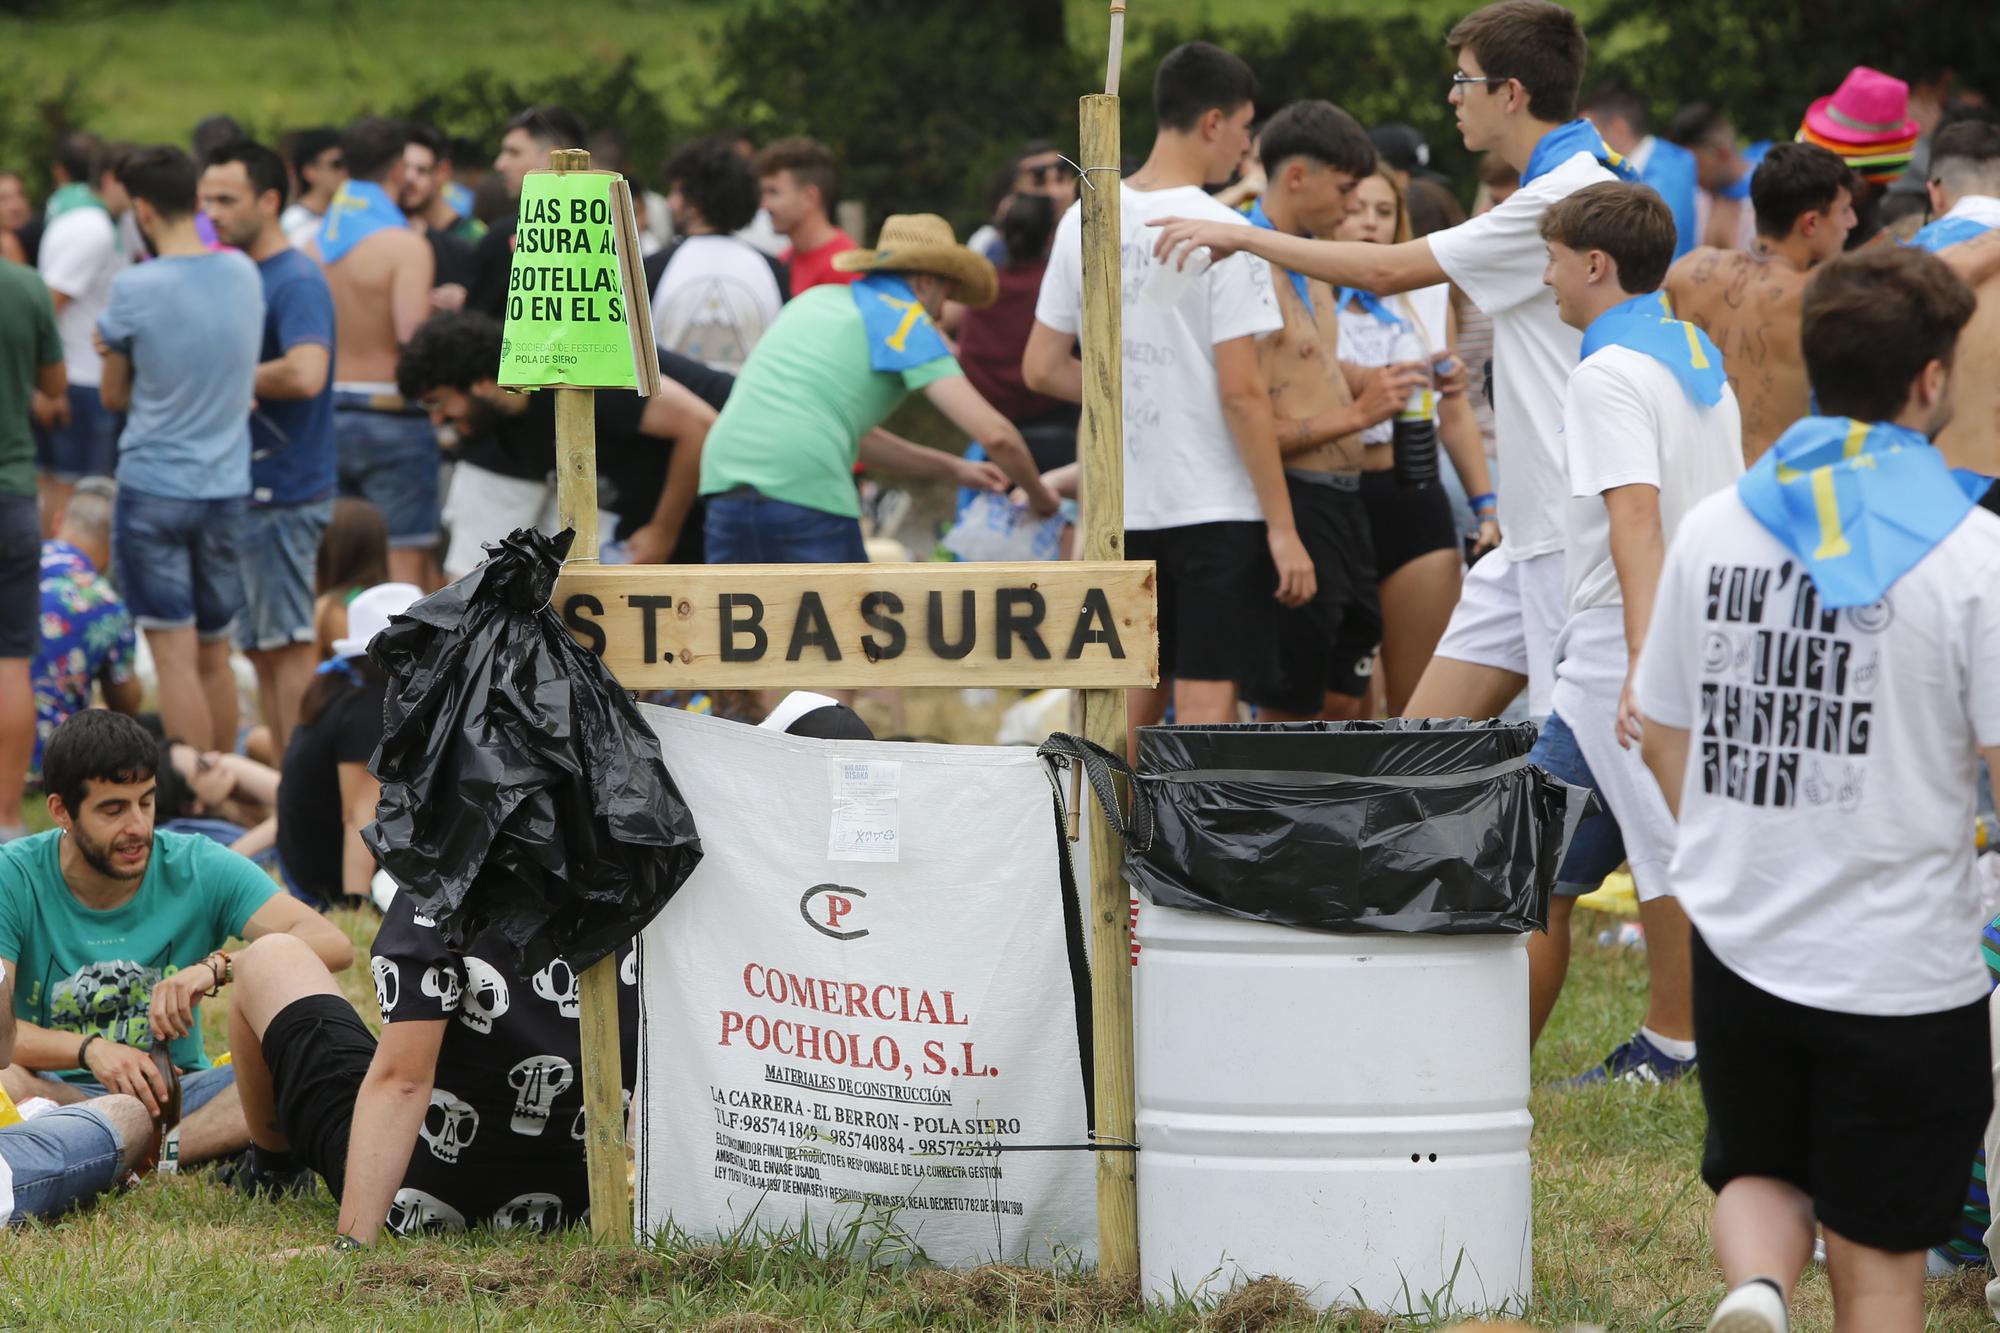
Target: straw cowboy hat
923 243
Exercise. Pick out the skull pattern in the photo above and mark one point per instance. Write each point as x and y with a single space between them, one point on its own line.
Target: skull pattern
557 983
442 984
412 1212
449 1125
486 996
388 984
529 1212
537 1082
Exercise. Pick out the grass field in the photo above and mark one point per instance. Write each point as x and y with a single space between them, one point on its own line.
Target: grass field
150 72
1620 1241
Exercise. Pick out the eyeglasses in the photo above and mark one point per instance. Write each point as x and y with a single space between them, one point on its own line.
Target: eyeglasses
1043 173
1466 80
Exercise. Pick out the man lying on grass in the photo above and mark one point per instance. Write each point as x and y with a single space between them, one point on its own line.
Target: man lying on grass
113 934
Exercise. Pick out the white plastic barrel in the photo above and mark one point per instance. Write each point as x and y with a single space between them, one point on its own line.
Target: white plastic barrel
1345 1111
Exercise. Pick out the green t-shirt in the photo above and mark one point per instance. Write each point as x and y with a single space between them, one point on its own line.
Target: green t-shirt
793 424
28 341
79 970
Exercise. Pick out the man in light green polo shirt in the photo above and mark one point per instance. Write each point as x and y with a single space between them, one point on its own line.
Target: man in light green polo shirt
777 469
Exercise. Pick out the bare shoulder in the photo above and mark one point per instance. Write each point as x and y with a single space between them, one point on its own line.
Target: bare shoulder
1703 265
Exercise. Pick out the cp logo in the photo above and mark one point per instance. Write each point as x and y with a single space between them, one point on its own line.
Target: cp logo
826 906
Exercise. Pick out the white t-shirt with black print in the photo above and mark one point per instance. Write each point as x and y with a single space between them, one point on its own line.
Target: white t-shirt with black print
1826 815
502 1142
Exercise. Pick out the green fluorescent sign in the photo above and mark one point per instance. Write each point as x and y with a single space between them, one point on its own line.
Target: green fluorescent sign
566 301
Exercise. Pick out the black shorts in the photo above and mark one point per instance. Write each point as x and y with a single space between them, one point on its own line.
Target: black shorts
318 1050
1326 645
1218 597
1878 1119
20 580
1406 521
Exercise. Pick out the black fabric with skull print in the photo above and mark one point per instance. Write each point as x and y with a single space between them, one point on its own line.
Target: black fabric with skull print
502 1142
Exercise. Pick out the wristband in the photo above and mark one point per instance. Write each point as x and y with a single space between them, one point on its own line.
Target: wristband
1482 502
214 977
85 1046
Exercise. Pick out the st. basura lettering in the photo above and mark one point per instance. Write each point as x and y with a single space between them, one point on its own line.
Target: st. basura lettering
1009 624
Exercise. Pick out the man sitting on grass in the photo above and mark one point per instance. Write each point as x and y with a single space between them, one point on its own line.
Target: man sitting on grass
115 933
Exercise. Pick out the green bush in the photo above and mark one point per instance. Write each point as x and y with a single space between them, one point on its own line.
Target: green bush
919 101
478 103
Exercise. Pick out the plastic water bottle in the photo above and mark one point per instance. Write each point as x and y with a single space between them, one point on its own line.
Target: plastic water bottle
1414 436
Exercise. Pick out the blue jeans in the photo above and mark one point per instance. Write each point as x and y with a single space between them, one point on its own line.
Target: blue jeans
753 530
60 1160
389 459
199 1087
280 547
179 562
1599 846
88 445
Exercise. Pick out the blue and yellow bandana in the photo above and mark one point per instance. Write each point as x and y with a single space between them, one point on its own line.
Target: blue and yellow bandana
1646 324
1859 504
358 211
900 333
1564 142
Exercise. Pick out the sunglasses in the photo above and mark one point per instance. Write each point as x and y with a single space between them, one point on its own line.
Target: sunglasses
1044 173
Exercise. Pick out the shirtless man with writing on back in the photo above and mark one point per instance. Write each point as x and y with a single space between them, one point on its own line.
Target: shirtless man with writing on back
1749 302
380 273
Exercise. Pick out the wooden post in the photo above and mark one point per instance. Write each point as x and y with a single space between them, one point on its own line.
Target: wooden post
603 1089
1102 449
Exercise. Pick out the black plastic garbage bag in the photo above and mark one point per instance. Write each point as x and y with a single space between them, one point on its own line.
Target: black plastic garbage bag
520 786
1410 826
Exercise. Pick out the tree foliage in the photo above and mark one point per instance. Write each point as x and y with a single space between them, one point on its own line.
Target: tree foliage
1764 61
480 102
920 100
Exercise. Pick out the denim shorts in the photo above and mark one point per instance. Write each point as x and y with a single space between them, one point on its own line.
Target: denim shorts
179 562
59 1160
88 445
748 529
1599 846
20 576
280 548
199 1087
389 459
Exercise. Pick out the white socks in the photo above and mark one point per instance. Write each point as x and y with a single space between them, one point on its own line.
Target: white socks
1758 1306
1680 1050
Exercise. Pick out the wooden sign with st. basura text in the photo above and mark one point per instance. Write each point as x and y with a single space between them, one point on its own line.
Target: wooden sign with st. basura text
1082 625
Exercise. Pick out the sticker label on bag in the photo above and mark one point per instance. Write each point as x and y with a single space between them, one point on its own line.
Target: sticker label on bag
865 824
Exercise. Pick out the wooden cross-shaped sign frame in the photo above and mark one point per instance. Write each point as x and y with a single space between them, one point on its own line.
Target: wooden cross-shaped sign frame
1089 625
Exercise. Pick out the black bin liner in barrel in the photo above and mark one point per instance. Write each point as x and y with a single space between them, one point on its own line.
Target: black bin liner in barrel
1407 826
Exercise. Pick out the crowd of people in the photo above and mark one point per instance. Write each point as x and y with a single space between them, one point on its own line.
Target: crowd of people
1675 445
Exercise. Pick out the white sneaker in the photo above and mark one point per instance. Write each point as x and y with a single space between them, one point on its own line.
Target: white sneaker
1754 1307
